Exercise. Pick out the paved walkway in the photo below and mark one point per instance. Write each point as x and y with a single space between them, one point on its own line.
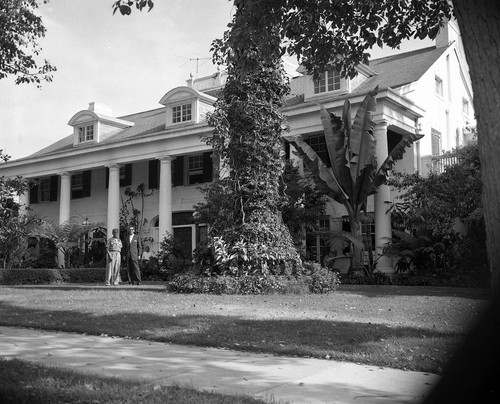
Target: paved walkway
294 380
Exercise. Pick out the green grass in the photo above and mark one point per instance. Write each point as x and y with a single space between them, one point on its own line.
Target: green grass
24 382
400 327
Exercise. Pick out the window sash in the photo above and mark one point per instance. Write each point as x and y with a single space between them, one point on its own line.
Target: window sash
85 133
181 113
45 190
328 81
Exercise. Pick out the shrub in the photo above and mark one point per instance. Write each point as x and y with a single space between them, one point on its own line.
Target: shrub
316 279
48 276
21 276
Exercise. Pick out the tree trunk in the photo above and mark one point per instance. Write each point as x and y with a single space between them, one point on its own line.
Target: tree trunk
248 121
479 23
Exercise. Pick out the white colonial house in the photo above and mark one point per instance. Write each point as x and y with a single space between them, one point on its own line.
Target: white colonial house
84 175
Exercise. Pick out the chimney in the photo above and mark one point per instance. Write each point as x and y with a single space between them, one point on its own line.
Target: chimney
447 34
100 108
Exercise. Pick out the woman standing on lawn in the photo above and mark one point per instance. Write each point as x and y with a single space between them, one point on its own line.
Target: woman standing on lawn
113 248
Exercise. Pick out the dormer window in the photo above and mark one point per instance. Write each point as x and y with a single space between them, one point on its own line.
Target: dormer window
185 106
181 113
85 133
328 81
95 124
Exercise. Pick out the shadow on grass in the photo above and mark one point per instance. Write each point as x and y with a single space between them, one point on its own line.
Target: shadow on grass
396 290
376 344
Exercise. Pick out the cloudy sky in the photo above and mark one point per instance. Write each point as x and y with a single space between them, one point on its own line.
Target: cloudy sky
125 62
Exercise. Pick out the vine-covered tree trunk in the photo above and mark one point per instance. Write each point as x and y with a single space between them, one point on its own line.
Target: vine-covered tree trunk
479 22
247 130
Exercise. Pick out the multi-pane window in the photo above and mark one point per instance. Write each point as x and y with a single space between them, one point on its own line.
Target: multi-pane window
435 142
317 242
438 86
123 173
318 144
465 107
327 81
45 190
77 182
181 113
192 169
195 169
85 133
80 184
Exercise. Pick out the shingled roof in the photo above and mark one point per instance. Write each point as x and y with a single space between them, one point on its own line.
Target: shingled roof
391 72
398 70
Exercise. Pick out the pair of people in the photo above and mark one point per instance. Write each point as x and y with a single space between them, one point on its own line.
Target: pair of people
132 251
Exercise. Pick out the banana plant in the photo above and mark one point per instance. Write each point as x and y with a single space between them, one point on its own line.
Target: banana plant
353 175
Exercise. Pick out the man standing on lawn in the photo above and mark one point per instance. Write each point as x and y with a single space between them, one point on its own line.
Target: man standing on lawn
113 249
132 244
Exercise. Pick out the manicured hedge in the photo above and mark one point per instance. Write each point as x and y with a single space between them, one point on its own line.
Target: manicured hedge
37 276
320 282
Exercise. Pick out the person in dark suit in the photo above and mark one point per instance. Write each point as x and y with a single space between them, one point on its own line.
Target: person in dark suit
132 246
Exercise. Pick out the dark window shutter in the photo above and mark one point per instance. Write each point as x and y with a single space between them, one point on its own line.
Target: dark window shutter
54 182
287 150
87 175
34 194
154 169
107 177
128 176
178 172
208 167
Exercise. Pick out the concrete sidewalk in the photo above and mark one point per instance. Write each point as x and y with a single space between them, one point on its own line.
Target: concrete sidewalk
294 380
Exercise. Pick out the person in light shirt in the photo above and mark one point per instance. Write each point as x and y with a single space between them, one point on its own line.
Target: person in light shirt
113 250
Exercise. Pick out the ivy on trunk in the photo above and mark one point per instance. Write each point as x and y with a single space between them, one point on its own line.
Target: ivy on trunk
247 134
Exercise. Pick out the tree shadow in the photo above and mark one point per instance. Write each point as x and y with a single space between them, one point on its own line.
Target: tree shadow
371 343
396 290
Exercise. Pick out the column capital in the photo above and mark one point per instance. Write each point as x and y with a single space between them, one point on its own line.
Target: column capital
113 166
64 174
166 158
380 123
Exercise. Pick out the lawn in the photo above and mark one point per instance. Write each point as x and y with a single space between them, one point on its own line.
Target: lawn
414 328
24 382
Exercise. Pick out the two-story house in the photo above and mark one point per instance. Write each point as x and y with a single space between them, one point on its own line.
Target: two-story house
85 174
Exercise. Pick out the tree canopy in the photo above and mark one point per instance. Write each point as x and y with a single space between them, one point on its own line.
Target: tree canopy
20 32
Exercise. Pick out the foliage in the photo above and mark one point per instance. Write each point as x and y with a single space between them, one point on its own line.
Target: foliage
67 238
130 215
248 125
353 174
320 279
14 226
428 216
168 261
305 204
39 276
315 280
20 31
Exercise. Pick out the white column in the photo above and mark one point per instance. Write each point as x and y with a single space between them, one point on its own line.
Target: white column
383 229
165 197
113 219
24 203
64 207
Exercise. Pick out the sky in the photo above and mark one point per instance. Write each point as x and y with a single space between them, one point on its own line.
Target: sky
124 62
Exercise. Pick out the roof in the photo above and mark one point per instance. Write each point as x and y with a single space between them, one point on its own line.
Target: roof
391 72
398 70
